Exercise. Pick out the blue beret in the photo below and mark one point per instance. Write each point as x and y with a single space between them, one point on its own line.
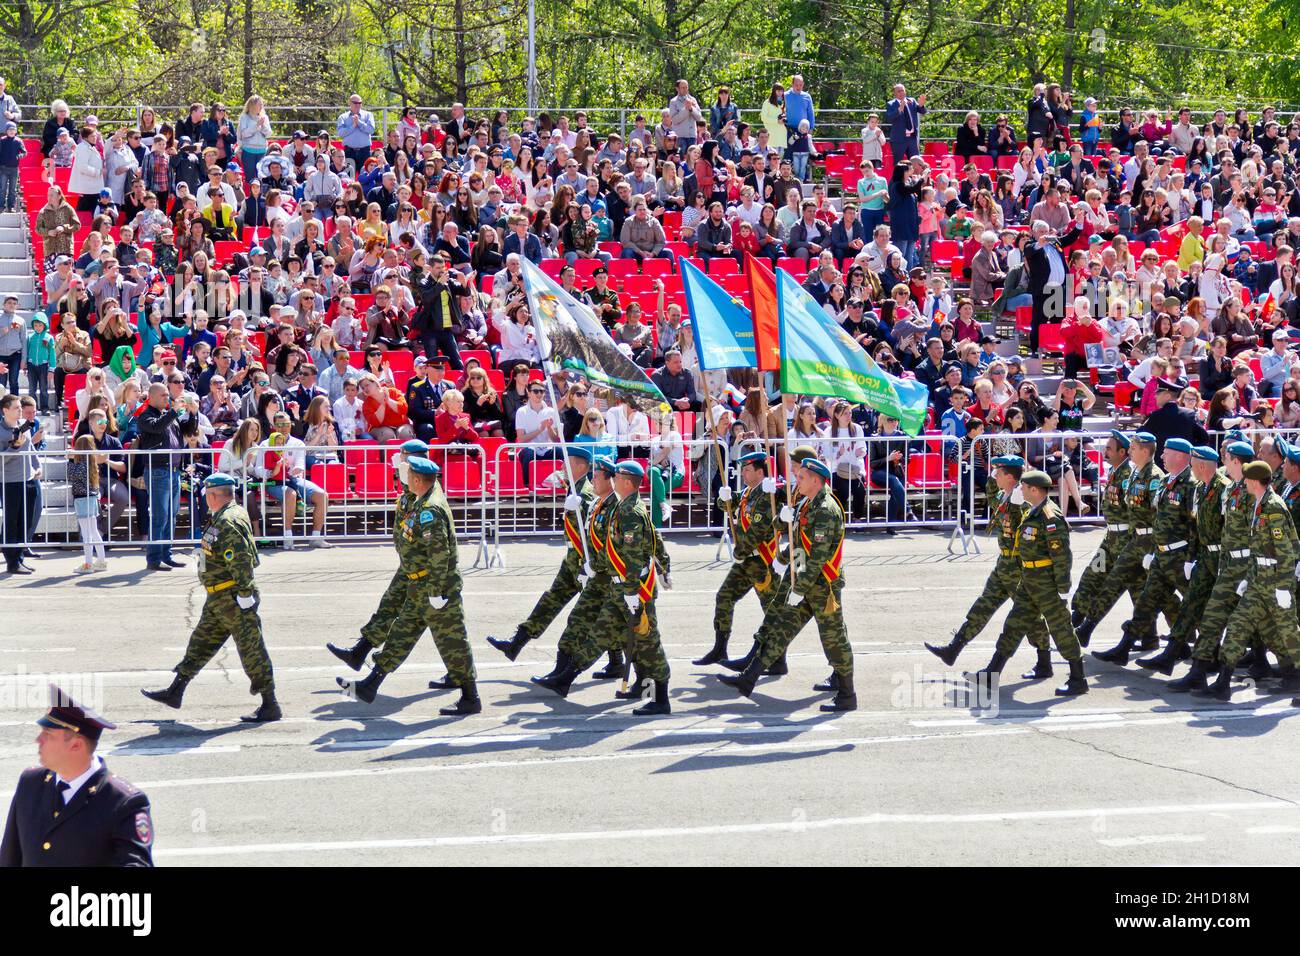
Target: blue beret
1144 438
1008 461
1293 454
1120 438
581 451
631 469
605 464
1179 444
1234 434
1282 447
753 458
1205 453
219 480
817 467
422 466
1241 449
413 446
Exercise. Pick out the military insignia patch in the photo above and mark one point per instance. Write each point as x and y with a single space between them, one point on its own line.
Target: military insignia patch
1277 533
1154 484
229 554
1028 534
144 827
426 516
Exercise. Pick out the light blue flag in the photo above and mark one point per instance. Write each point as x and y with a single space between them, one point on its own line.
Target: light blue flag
724 329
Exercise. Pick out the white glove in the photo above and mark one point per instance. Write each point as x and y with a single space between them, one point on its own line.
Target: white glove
437 603
1241 589
724 493
573 503
778 567
769 485
787 514
633 602
1147 561
792 598
1297 571
1283 599
246 601
667 581
1187 569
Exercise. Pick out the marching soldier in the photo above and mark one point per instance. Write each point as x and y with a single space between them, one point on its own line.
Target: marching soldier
755 549
816 581
1291 490
426 546
630 549
71 810
226 559
1211 485
577 509
1169 567
1008 510
1268 590
1114 508
1130 568
1234 562
375 630
1045 559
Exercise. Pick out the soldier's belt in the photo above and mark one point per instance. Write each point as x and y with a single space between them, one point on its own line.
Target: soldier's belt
1266 562
1044 563
1243 553
1142 530
1116 527
417 575
1009 552
221 587
1212 548
1171 546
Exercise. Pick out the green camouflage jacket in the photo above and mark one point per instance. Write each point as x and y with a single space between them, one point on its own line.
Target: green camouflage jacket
227 551
1044 542
819 535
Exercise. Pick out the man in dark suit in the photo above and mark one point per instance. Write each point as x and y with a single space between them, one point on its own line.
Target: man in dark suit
762 182
903 114
1049 273
1169 420
71 811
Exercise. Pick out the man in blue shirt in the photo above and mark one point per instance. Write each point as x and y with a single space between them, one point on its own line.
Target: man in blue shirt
798 107
521 241
356 129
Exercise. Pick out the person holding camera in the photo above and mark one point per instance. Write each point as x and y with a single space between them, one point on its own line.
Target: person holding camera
17 491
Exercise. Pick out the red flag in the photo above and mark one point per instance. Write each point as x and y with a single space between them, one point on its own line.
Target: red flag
767 335
1266 310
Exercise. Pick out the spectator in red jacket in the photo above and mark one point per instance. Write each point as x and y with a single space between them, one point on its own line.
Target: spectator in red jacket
1078 330
452 423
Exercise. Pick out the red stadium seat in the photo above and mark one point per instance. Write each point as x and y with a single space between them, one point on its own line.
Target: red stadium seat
928 471
377 480
462 475
333 478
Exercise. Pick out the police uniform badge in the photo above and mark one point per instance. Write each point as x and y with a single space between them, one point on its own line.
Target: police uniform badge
144 827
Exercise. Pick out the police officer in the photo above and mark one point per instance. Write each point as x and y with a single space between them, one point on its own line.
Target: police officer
1130 570
566 586
1044 545
71 810
375 630
1008 508
226 558
754 551
1209 489
816 582
1234 562
1268 590
1169 567
1114 508
424 395
426 545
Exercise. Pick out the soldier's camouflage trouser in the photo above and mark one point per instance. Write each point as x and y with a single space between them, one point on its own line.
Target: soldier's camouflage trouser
776 599
1126 575
375 630
613 630
1036 597
582 633
221 619
1196 597
787 620
556 597
447 627
1162 592
1094 575
741 578
998 589
1222 602
1259 615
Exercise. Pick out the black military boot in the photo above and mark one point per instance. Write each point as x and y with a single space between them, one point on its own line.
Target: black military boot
1042 667
354 656
948 652
1076 684
363 690
1213 666
1117 654
746 679
561 660
468 703
445 682
1221 689
613 670
1164 662
1260 669
1084 631
561 681
266 712
512 647
1193 680
659 705
991 672
845 698
636 689
171 696
779 667
830 683
738 664
719 652
1286 679
1248 659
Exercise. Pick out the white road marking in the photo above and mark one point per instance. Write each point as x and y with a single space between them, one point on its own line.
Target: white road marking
1119 842
459 742
38 650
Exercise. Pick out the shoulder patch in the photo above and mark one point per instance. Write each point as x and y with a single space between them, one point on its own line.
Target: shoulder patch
144 827
426 516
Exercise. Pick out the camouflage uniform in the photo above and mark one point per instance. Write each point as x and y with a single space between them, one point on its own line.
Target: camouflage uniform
1175 540
375 630
1128 573
227 557
1004 579
1291 496
816 573
566 584
583 636
1043 543
1119 530
1273 550
1234 562
1207 509
426 546
754 551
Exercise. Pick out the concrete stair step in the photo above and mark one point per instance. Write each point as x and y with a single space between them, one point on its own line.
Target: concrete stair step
16 267
14 233
56 495
57 522
13 250
10 220
56 469
18 283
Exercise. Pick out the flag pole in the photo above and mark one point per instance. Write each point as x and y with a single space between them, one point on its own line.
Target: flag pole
717 458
